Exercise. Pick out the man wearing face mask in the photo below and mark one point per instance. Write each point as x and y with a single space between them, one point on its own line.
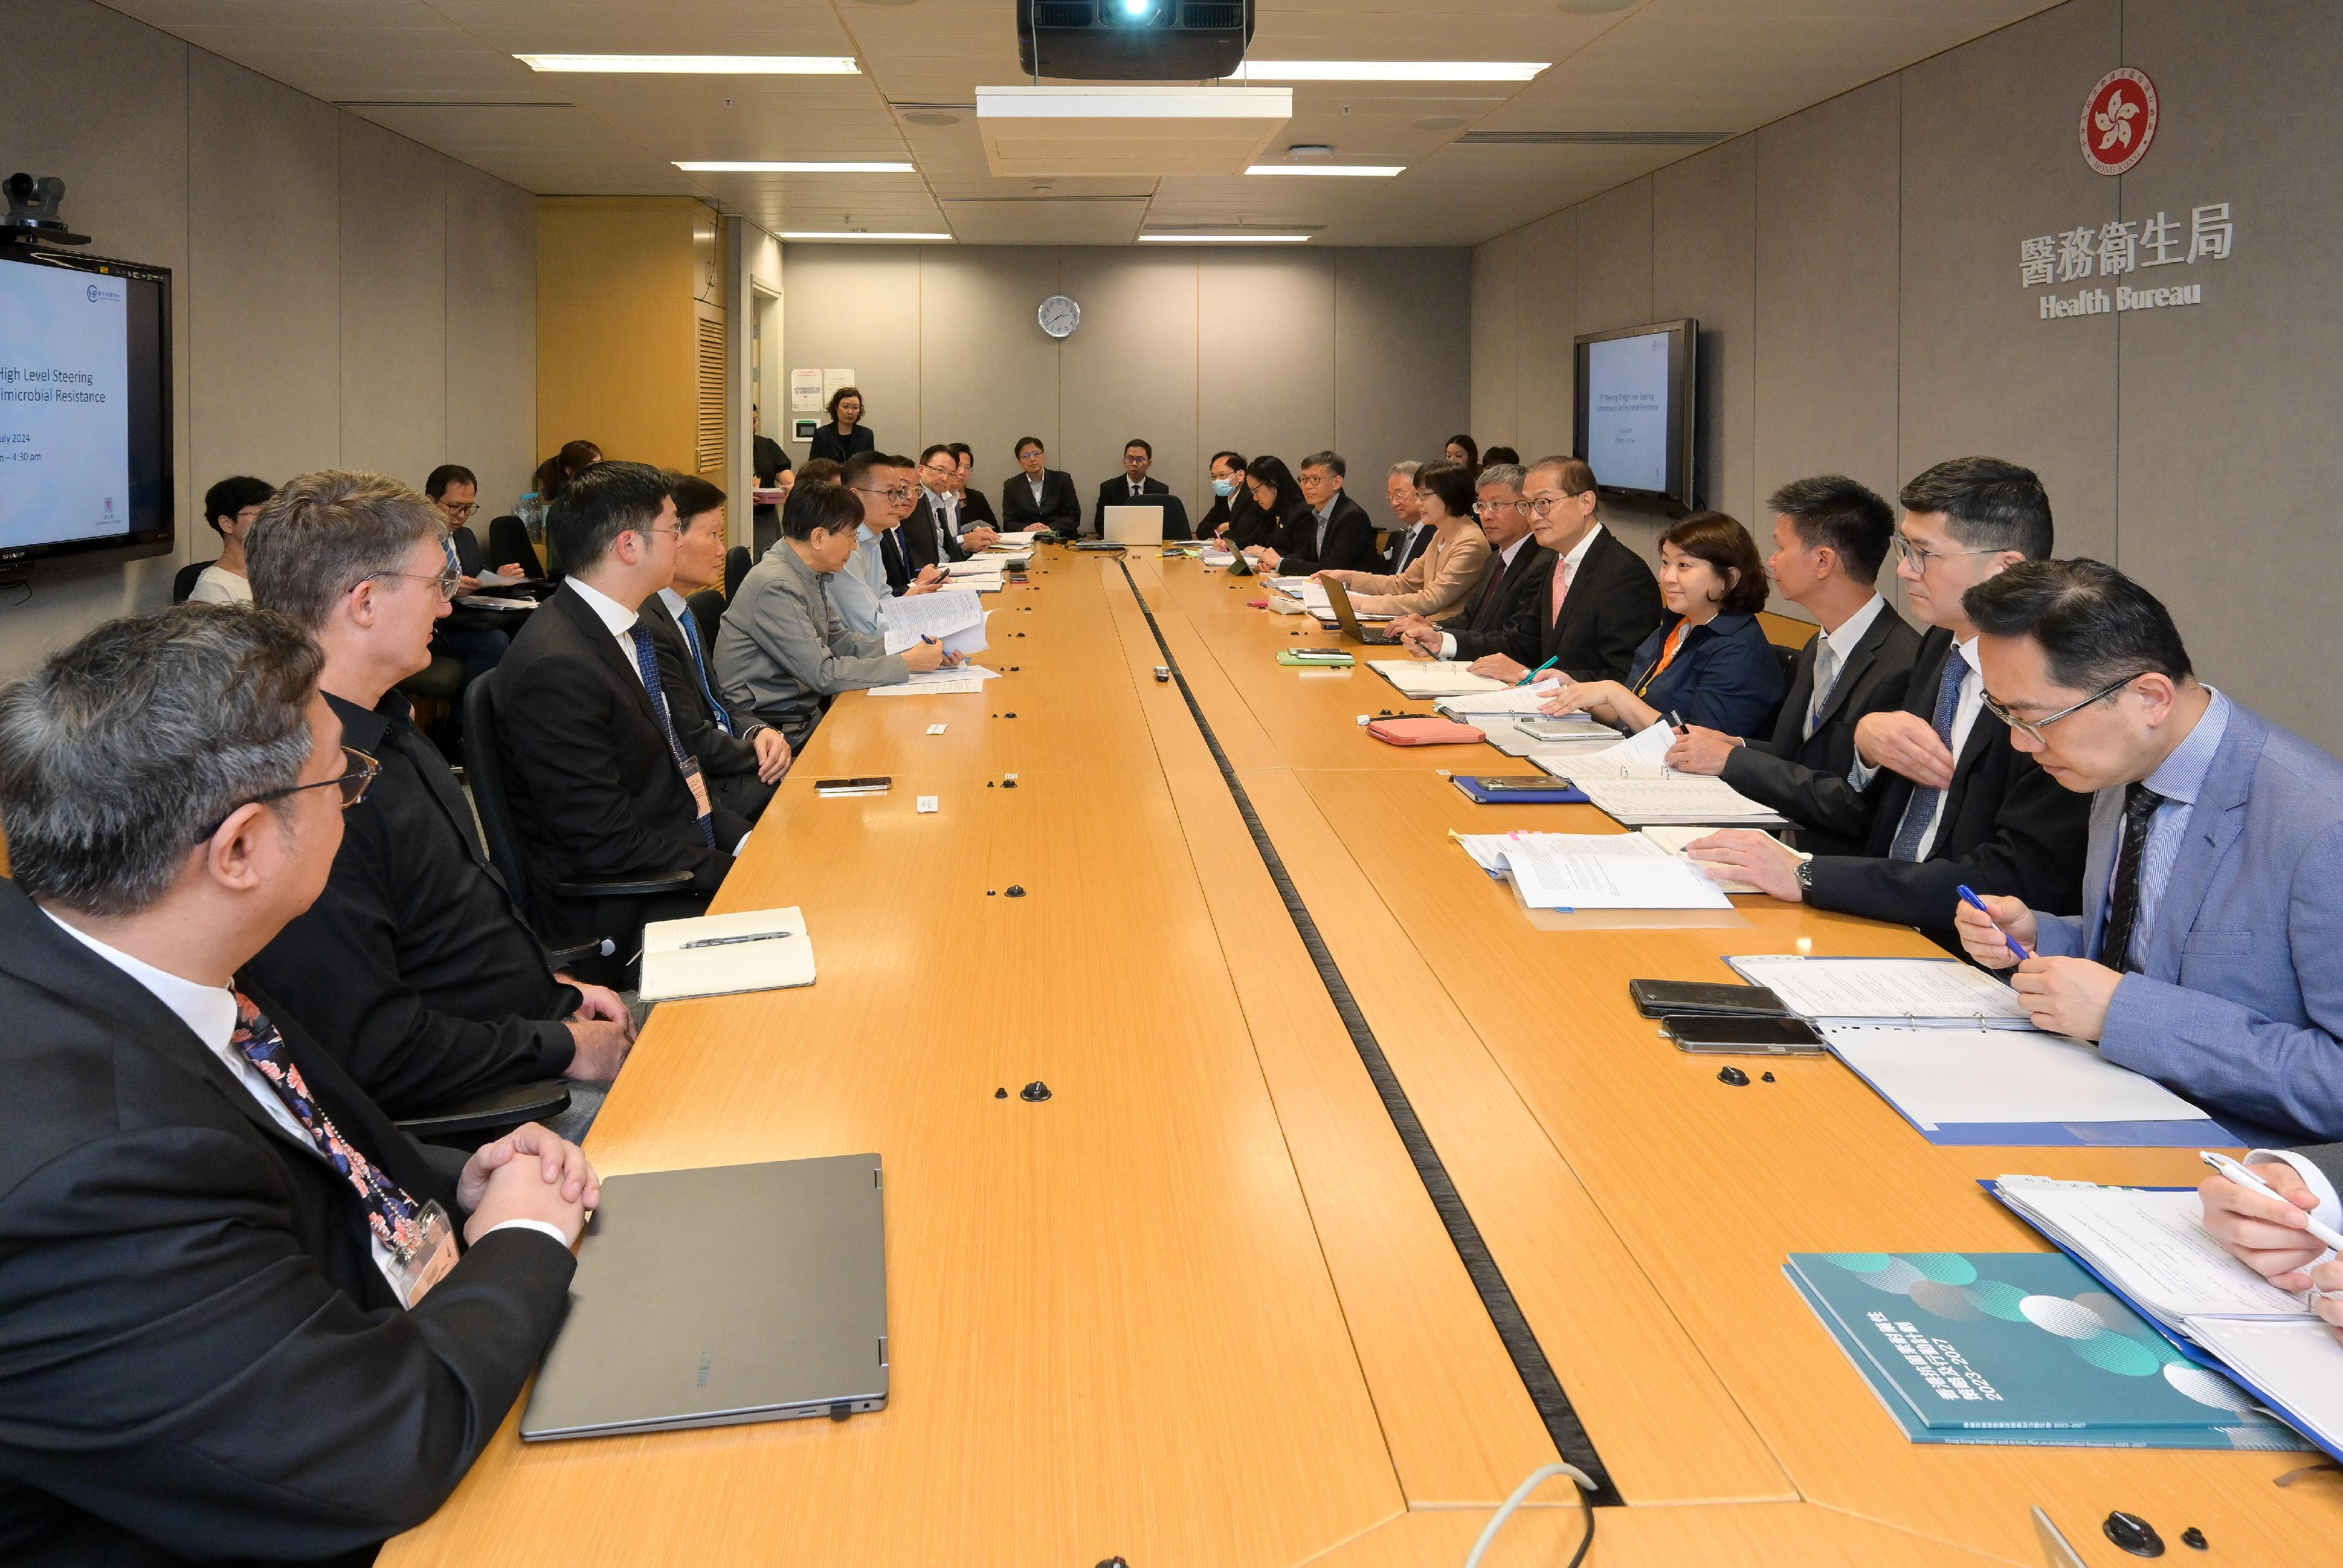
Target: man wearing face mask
1231 503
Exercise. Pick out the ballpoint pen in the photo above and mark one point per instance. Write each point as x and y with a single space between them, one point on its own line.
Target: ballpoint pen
1977 904
727 941
1541 670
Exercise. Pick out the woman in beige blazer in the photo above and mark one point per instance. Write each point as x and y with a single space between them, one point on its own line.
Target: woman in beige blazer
1436 581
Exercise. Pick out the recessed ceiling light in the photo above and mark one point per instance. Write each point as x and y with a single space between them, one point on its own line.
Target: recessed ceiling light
719 168
1438 122
1224 238
931 118
1388 70
1368 171
699 64
850 235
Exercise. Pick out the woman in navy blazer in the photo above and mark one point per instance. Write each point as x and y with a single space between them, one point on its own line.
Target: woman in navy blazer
1708 660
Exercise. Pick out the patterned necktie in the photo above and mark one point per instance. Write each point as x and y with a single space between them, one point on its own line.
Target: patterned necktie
1922 807
1826 676
688 624
1561 588
391 1214
2123 910
647 661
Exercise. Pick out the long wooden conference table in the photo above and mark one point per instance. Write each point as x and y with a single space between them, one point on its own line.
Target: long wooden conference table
1197 1308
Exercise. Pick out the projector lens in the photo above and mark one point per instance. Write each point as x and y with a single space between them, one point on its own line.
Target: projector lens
1135 8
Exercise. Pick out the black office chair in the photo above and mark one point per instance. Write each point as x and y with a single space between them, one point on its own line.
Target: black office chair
737 562
1789 658
185 583
484 769
508 546
707 607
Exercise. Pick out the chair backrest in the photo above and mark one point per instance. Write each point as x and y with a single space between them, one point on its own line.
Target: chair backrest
737 562
185 583
707 607
468 548
484 770
508 546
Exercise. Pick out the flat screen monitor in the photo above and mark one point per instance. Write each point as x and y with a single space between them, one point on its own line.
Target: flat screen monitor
85 406
1636 408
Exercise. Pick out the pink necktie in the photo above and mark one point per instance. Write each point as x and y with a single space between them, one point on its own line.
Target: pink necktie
1561 588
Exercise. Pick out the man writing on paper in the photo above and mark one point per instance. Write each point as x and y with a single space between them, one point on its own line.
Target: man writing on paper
1952 802
2209 953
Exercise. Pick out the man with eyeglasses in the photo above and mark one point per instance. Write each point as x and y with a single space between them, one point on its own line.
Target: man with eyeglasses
2209 951
414 968
879 570
1517 566
246 1316
1949 800
1334 535
932 534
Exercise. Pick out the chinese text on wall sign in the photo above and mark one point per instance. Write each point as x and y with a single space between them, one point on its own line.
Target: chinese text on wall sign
2129 248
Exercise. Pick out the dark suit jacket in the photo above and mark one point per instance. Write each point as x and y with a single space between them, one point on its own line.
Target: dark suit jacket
1725 675
2008 828
1248 524
1485 612
1349 541
1114 492
919 534
732 782
467 550
200 1356
1805 778
829 443
414 966
1613 604
975 512
595 790
1061 510
1406 544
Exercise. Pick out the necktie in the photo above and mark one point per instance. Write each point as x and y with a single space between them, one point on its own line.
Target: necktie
647 661
1561 588
1488 587
1918 810
2123 910
690 625
391 1214
891 554
1826 676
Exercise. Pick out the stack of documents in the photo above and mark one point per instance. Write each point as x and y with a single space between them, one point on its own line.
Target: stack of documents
1432 676
2151 1248
1631 783
1213 556
948 679
1953 1051
978 574
1516 700
1591 871
1675 840
955 620
717 955
2020 1348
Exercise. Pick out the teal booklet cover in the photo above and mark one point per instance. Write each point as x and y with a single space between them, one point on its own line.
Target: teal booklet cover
2020 1348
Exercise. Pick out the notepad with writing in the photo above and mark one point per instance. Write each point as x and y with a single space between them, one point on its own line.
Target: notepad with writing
720 955
1918 992
1432 676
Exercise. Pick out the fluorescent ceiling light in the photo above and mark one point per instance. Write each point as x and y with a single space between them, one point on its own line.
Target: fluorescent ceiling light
719 168
1133 103
699 64
1388 70
833 234
1355 170
1224 238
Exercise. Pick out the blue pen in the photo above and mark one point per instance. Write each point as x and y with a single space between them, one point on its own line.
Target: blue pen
1978 905
1541 670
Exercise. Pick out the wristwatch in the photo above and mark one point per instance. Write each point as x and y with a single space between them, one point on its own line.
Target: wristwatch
1806 873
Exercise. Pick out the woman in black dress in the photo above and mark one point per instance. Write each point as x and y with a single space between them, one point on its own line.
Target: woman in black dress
845 435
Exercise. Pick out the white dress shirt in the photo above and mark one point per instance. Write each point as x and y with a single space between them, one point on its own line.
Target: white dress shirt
859 591
1037 490
1965 716
1854 629
945 511
209 1014
1576 557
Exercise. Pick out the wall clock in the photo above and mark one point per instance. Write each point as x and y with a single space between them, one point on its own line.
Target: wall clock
1060 316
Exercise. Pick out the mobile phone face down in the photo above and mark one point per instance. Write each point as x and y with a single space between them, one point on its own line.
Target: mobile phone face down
1713 1036
1661 998
877 785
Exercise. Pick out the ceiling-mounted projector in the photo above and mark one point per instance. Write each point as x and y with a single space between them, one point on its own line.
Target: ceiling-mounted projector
1133 40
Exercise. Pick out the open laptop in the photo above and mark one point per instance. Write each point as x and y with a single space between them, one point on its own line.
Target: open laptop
1338 600
1146 519
718 1296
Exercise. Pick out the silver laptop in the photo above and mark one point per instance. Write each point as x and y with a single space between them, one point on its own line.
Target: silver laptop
1347 618
715 1297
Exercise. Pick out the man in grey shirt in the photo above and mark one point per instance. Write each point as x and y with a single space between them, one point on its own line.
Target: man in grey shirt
783 648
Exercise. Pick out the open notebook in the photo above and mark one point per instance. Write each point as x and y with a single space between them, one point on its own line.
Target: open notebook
720 955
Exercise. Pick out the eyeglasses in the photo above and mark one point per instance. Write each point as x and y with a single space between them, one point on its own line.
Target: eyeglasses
450 583
461 514
353 783
1544 505
895 493
1498 508
1923 559
2033 728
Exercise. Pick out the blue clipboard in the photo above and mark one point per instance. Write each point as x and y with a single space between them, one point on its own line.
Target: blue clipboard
1562 794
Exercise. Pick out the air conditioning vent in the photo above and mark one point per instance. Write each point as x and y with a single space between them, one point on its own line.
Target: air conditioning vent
1213 13
1592 138
1062 12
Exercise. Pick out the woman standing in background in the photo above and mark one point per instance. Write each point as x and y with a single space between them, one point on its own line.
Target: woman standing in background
845 435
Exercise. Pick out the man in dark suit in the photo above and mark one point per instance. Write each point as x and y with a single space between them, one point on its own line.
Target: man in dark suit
605 784
1414 535
1231 499
414 966
939 530
1037 495
1518 565
1597 604
1953 802
975 511
1134 484
241 1315
745 780
1831 534
1335 534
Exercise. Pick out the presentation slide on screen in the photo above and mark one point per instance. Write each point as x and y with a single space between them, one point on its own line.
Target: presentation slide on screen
1627 411
65 407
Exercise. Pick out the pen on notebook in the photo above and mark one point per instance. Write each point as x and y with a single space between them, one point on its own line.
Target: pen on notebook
1977 904
727 941
1675 722
1541 670
2244 1177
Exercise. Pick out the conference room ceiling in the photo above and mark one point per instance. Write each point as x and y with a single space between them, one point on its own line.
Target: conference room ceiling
443 73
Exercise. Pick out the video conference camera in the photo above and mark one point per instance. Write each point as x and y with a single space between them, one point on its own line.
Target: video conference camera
33 212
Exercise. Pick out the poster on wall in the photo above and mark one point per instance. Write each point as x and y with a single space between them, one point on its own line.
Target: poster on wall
833 382
805 392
